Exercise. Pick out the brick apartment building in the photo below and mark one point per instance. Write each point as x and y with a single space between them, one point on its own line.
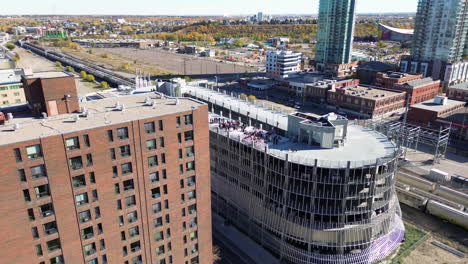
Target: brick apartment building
427 113
317 92
389 79
126 181
370 101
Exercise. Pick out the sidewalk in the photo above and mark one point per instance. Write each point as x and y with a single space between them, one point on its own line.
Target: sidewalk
247 250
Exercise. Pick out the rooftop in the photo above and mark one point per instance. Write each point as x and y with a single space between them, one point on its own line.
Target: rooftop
376 66
461 86
420 82
370 144
101 113
10 76
431 106
368 92
398 30
48 75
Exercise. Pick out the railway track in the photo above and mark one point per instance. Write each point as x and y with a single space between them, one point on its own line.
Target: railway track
99 72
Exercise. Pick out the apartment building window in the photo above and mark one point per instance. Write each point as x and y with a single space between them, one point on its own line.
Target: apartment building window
92 178
190 166
137 260
191 181
87 233
123 237
112 153
46 210
72 143
160 250
161 125
84 216
189 151
79 181
50 228
57 260
168 233
89 159
192 209
42 191
161 142
151 144
152 161
86 141
124 251
119 205
164 174
166 204
81 199
93 261
89 249
128 185
182 183
180 154
134 231
95 195
188 119
53 245
154 177
27 196
149 128
38 172
115 173
127 168
117 188
191 195
192 222
194 248
97 212
135 246
167 218
165 189
179 137
194 260
130 201
158 236
156 208
110 135
181 169
163 158
193 235
38 250
178 122
34 232
17 153
121 220
156 193
22 175
132 217
122 133
158 222
34 152
102 244
124 151
75 163
31 214
188 135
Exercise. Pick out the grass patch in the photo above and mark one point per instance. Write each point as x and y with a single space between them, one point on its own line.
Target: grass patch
413 238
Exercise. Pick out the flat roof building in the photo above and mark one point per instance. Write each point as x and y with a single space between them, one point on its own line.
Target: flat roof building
426 113
11 88
282 63
458 92
419 90
125 180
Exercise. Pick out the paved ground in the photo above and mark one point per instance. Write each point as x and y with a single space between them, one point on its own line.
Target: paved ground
32 61
453 164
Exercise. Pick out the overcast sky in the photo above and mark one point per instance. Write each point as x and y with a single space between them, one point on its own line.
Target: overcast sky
190 7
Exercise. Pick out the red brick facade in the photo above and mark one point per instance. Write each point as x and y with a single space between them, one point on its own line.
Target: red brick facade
420 93
386 80
176 209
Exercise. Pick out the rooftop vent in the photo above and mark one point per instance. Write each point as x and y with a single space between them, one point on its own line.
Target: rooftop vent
117 105
16 126
76 118
44 115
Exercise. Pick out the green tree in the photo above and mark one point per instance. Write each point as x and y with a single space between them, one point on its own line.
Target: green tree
252 98
58 64
90 78
10 46
239 43
70 69
243 96
104 85
83 74
105 56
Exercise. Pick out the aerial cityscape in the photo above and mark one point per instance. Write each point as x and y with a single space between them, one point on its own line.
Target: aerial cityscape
301 132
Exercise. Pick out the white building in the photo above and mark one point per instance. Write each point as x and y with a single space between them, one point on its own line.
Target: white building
4 37
280 64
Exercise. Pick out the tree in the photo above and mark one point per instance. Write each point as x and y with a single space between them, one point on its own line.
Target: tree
105 56
10 46
83 74
90 51
239 43
58 64
243 96
187 79
73 45
90 78
70 69
104 85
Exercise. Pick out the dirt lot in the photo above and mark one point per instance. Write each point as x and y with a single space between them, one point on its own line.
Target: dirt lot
428 253
155 60
32 61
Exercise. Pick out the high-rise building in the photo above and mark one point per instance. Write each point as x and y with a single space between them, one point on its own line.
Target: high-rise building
310 189
125 180
439 41
282 63
335 32
260 16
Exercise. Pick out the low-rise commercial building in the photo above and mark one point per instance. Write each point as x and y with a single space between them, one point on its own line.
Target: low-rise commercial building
11 87
370 101
458 92
367 72
389 79
426 113
317 92
420 90
55 34
280 64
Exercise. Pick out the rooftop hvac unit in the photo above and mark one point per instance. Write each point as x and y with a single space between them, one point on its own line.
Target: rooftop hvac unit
76 118
16 127
44 115
117 105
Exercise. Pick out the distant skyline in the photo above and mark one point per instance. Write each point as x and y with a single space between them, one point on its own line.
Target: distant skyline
191 7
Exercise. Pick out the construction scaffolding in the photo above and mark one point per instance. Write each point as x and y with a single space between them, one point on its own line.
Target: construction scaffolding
409 136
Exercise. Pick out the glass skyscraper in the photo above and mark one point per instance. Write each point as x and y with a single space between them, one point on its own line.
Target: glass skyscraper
335 31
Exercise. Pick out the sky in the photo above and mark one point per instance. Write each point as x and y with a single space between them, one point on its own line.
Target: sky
189 7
